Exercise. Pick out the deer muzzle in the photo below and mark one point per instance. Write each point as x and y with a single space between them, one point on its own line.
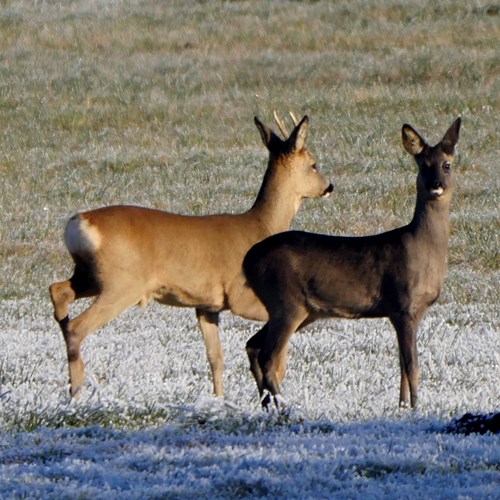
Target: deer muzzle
328 191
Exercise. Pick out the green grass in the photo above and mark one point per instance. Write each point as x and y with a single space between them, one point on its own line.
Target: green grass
153 102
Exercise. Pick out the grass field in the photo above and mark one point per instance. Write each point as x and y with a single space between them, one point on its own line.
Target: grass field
152 103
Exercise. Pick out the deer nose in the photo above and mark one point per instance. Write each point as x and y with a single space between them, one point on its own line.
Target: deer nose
328 190
436 188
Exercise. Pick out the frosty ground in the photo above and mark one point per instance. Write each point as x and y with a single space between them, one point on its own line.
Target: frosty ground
150 102
147 426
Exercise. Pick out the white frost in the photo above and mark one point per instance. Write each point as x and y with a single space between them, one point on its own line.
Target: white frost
147 426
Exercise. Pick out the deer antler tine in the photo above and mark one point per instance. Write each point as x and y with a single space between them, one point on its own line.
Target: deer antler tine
281 125
294 118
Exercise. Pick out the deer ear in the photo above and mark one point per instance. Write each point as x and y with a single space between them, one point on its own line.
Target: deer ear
269 138
412 141
450 139
298 137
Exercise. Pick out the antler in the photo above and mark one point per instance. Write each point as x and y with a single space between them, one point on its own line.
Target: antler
294 118
281 123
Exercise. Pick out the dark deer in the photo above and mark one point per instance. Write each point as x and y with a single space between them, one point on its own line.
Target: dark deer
301 277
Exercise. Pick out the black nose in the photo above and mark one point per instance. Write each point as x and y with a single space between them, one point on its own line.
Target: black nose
437 184
329 189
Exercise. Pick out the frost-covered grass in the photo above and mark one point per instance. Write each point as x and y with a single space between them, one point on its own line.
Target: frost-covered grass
354 460
146 425
147 363
152 103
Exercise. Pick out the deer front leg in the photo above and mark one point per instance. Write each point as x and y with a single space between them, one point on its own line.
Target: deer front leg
209 326
406 330
253 348
272 358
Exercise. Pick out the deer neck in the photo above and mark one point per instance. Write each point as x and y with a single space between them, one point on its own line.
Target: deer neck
276 204
431 223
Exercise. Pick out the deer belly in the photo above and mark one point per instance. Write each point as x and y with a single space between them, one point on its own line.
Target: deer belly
183 297
343 298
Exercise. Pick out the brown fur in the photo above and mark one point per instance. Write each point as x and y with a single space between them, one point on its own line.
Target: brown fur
127 255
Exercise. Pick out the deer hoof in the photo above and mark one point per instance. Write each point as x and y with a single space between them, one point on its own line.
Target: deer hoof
75 392
266 402
280 403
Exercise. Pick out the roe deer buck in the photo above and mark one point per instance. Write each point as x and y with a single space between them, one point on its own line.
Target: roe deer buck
301 277
126 255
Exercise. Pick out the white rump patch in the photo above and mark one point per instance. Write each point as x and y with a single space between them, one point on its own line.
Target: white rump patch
80 236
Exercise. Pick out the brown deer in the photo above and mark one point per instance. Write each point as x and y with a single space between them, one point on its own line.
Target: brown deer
301 277
127 255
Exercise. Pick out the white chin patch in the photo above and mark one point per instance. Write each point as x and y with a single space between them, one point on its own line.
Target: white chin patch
437 191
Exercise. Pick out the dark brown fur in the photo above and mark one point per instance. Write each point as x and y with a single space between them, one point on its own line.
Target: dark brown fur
301 277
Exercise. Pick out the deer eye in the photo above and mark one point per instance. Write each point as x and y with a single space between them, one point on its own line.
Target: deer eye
314 167
447 166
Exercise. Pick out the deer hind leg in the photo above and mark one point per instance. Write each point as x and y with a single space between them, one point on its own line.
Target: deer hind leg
63 293
253 348
209 326
282 366
106 307
406 330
